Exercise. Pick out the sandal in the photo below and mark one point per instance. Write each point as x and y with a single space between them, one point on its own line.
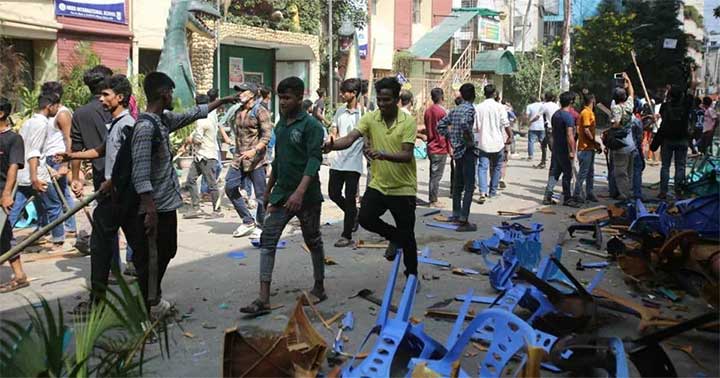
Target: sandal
13 285
256 308
317 297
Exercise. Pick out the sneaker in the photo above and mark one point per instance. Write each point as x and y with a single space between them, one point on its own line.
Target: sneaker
572 203
215 214
243 230
529 158
391 251
467 227
539 166
502 185
548 200
482 198
193 213
343 242
256 233
161 309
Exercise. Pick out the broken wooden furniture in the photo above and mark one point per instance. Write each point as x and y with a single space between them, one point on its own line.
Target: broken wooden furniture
298 351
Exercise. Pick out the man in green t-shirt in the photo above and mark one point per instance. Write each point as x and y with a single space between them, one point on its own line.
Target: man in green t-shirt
390 140
293 189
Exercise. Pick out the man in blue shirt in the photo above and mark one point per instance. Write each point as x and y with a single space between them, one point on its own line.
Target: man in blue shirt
563 151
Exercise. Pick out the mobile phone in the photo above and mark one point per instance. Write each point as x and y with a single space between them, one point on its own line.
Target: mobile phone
618 75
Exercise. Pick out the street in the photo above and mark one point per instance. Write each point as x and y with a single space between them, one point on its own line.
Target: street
209 287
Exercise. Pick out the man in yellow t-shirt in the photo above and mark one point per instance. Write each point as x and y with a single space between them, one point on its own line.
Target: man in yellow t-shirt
389 142
586 151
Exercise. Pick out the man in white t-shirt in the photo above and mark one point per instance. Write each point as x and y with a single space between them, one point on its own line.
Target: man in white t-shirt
549 107
347 165
56 142
536 133
492 133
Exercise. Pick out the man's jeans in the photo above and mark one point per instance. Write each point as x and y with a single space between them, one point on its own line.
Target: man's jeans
623 172
206 168
276 220
586 174
492 162
464 185
21 200
51 209
678 150
234 180
537 136
402 208
69 223
560 166
437 169
638 168
350 180
218 169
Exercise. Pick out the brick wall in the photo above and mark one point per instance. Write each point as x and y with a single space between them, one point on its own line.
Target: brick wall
113 52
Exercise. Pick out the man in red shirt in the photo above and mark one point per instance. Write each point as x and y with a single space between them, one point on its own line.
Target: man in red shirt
437 145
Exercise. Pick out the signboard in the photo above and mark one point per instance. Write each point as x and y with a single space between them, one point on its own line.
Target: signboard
488 30
669 43
235 72
362 42
101 10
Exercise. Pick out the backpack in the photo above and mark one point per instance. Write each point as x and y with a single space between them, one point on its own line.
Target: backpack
124 197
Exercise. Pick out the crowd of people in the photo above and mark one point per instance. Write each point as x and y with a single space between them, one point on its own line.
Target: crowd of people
278 165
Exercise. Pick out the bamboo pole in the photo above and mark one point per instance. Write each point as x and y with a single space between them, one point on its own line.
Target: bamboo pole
47 228
642 83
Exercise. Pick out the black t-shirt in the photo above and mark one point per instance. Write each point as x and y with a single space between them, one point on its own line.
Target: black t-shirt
12 151
560 121
675 119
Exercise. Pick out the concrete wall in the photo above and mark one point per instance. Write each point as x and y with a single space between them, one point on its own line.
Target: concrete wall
425 24
149 22
29 19
382 41
403 24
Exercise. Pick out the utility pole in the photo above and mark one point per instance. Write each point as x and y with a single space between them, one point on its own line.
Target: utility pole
565 66
217 47
524 24
331 71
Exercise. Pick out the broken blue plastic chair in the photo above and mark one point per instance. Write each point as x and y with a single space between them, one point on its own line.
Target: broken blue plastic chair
426 259
510 336
391 332
701 214
446 226
646 221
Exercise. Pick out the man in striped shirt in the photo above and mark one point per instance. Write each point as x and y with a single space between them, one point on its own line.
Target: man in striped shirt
155 180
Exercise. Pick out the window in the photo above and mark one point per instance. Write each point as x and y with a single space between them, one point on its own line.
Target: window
416 12
374 7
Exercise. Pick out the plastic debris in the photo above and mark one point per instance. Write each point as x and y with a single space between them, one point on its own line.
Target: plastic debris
237 255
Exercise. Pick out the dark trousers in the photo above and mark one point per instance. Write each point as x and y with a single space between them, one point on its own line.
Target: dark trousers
206 168
166 241
402 208
350 180
464 185
560 166
104 244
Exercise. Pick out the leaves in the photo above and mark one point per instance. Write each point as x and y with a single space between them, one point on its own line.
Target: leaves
522 87
112 335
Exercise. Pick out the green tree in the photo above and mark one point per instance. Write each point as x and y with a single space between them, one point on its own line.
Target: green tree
523 86
654 23
602 47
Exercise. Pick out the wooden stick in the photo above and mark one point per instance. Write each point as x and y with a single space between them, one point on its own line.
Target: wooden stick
47 228
642 83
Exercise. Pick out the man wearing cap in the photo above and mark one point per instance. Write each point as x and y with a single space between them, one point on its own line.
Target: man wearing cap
252 135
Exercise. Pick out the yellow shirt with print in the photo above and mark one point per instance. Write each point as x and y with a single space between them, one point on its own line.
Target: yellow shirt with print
390 178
